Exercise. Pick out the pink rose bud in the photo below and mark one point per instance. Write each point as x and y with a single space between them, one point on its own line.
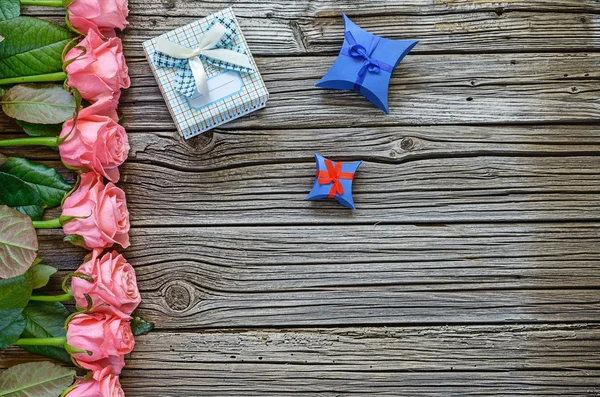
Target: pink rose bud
98 15
114 287
100 71
101 211
102 384
106 336
97 143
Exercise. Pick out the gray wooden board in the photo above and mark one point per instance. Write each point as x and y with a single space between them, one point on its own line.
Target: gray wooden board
445 89
327 275
445 188
491 360
276 28
471 265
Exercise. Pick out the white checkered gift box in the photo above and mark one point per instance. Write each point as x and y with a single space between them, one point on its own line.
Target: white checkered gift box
199 114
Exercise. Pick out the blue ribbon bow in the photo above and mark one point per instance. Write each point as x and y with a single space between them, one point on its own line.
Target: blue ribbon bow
185 81
358 51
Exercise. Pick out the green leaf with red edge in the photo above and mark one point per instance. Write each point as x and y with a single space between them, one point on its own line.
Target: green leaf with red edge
39 103
18 243
35 379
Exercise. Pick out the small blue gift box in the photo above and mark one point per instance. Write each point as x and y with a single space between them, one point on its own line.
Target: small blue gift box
202 91
334 180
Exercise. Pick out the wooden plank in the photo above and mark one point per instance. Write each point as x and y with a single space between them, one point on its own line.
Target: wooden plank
478 32
541 359
482 188
275 28
306 8
283 380
274 9
460 348
445 89
327 275
229 148
421 189
543 347
450 89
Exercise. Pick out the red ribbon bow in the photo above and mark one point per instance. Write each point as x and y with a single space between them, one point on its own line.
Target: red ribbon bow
333 175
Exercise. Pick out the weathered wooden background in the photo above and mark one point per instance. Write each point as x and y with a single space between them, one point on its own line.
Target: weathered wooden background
472 265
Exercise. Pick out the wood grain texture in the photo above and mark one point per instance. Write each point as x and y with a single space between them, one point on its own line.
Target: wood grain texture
537 31
326 8
463 360
482 188
311 381
327 275
434 189
449 348
471 265
456 89
445 89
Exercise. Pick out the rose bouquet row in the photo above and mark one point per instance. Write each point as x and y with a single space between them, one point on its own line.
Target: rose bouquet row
96 337
80 119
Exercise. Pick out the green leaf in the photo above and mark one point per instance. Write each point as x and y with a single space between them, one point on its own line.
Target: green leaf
40 275
139 326
46 320
38 103
36 379
18 245
75 239
31 46
9 9
47 181
21 196
40 129
14 295
12 332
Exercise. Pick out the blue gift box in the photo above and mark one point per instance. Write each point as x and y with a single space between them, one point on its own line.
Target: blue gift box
365 64
334 181
232 91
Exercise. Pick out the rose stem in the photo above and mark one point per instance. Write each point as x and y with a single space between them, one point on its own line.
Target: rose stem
58 341
38 78
49 224
47 3
32 141
51 298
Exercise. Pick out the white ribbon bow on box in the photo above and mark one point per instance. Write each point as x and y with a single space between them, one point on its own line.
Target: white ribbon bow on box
206 47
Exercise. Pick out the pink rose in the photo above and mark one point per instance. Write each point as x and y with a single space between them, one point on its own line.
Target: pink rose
98 15
103 219
100 71
114 283
107 336
97 143
103 384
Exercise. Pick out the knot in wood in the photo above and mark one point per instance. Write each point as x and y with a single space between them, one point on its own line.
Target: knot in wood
407 143
202 143
178 296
